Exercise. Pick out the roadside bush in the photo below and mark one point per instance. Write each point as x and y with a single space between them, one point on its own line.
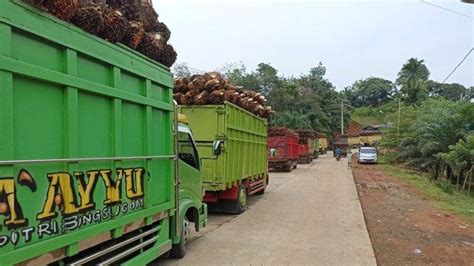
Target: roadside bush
429 142
458 162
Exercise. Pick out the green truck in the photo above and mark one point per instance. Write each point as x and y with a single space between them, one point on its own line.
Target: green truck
242 169
95 166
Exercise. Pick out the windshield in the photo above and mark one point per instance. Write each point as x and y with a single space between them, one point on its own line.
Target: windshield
368 151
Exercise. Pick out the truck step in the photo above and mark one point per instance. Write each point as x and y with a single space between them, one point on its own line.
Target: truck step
256 186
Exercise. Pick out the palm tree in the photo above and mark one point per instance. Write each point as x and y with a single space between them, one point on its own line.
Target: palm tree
438 124
412 78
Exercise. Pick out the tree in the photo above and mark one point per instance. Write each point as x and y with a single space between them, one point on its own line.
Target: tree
267 77
437 124
292 119
237 74
325 97
315 79
308 101
370 92
459 160
412 78
285 97
452 92
181 70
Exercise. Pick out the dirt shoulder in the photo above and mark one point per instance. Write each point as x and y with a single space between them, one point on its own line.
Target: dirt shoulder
405 227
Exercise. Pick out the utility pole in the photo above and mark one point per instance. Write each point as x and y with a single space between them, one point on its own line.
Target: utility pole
342 117
399 111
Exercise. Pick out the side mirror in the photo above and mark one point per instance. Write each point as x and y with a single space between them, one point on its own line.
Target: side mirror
273 152
217 147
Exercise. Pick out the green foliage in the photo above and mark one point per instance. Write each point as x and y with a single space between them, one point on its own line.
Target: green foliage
460 157
267 78
237 74
434 128
370 92
292 119
264 79
434 133
181 70
308 101
453 92
427 132
385 113
413 79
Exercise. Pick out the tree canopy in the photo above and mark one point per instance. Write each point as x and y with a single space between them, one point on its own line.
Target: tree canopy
372 91
412 80
309 101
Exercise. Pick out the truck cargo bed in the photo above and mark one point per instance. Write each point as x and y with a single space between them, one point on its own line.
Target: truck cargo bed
245 143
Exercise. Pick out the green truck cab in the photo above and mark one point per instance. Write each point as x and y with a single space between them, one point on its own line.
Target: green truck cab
95 164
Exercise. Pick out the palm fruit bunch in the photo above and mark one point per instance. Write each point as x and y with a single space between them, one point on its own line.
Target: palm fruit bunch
133 23
212 88
281 131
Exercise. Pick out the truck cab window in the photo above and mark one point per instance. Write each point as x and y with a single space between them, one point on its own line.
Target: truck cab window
187 151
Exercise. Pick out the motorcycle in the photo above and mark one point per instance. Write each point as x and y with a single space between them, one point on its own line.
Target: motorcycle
338 157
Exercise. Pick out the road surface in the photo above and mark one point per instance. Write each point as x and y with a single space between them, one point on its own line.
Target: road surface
309 216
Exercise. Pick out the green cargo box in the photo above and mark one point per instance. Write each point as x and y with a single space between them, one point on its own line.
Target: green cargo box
86 140
244 136
312 144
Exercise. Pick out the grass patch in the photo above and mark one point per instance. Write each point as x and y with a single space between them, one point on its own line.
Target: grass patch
387 158
443 194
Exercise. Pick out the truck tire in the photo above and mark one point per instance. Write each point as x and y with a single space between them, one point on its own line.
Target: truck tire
241 202
288 167
179 250
295 165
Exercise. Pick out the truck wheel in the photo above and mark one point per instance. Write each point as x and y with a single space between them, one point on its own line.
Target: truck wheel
295 164
241 201
179 250
288 167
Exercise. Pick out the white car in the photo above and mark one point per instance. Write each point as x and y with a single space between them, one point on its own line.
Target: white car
367 155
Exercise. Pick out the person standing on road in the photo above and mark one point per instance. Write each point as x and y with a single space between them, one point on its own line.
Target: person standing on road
349 157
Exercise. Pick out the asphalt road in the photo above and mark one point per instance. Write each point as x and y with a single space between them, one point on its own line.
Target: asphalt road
309 216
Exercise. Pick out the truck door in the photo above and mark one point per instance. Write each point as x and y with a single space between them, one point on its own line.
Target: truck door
189 166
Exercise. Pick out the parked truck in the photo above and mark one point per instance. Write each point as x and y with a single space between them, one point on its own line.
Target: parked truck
323 142
354 141
242 169
308 147
95 166
283 149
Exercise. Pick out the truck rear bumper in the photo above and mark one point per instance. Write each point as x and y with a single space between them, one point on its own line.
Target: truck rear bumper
280 163
305 159
215 196
252 185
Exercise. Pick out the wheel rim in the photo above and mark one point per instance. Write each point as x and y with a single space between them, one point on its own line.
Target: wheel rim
186 230
242 197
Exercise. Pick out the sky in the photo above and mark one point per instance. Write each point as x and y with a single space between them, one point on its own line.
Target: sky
353 39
